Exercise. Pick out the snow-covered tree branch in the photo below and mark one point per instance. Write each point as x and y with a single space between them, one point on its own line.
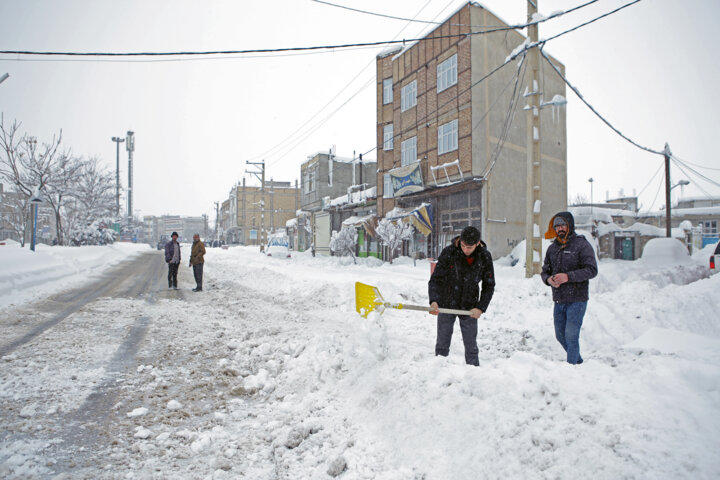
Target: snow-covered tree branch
392 234
344 242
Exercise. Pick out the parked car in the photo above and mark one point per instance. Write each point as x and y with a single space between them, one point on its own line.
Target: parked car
278 246
715 260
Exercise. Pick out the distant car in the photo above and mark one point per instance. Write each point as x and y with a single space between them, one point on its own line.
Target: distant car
278 247
160 245
715 260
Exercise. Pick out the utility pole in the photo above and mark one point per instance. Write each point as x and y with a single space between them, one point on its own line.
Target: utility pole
117 141
130 147
261 176
533 241
668 227
217 223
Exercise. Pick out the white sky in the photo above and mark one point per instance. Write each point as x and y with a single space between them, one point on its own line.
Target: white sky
651 69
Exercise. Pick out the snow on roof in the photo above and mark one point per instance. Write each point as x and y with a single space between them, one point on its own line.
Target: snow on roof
681 212
355 197
585 215
641 228
291 223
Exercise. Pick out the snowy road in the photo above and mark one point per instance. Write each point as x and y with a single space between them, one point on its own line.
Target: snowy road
270 374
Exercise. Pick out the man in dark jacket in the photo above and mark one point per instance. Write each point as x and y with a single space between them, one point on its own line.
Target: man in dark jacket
454 284
197 260
172 258
568 267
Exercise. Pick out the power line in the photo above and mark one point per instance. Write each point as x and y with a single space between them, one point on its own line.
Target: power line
371 62
695 164
509 27
680 167
577 92
709 180
284 49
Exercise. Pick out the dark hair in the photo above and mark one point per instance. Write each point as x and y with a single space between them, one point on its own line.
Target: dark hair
470 236
174 234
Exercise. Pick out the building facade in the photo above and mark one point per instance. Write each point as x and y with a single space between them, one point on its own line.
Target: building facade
249 209
451 134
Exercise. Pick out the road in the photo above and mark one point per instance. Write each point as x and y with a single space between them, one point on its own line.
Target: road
78 413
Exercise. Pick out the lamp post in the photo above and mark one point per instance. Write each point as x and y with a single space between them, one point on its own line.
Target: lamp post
591 180
130 147
35 201
117 141
4 77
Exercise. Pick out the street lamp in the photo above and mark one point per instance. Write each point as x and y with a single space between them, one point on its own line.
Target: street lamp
681 183
4 77
591 180
35 201
117 141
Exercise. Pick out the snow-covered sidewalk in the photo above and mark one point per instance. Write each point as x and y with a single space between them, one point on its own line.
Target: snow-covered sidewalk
270 373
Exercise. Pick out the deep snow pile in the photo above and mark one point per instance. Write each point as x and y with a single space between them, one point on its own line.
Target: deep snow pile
270 373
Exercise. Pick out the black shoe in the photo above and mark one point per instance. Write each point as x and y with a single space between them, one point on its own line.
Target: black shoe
175 288
197 289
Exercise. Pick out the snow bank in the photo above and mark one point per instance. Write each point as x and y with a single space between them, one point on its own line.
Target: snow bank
27 275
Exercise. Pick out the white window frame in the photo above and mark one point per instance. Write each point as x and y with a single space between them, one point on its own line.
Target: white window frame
387 91
408 151
447 73
388 137
387 186
408 97
448 137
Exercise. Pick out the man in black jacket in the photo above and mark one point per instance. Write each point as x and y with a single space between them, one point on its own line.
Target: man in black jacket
569 265
454 284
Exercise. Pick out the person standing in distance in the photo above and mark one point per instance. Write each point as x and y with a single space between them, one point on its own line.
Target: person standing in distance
461 267
172 258
197 260
568 267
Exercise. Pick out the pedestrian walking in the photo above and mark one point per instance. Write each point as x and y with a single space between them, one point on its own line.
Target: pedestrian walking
568 267
172 258
460 269
197 260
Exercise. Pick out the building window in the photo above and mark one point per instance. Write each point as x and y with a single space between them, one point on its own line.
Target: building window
710 228
387 91
408 97
387 186
388 137
408 151
309 181
448 137
447 73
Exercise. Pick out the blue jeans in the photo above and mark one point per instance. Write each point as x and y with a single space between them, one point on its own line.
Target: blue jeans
568 320
468 328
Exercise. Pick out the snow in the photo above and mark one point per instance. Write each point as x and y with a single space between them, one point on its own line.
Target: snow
28 275
270 373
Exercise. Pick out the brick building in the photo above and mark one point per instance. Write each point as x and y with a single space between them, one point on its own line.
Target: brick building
452 136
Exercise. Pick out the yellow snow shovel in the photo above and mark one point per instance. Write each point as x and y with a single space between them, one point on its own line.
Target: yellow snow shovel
368 298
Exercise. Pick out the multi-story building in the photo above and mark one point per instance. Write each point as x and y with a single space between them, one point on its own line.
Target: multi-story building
249 209
325 176
455 136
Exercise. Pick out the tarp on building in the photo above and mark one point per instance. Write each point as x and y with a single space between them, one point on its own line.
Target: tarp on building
420 217
368 222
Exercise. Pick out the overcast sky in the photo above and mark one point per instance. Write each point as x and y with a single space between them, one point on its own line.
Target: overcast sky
651 69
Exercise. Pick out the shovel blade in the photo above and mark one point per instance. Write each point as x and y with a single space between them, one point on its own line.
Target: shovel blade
367 299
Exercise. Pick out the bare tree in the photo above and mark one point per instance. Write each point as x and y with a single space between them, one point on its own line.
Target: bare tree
579 199
22 164
92 197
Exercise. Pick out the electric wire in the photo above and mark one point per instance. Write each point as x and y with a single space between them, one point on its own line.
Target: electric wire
679 162
287 49
695 164
680 167
509 27
371 62
580 96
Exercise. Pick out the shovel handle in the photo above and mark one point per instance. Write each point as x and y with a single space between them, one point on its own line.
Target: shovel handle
402 306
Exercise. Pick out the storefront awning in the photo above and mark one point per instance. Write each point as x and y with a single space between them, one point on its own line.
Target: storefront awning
420 217
367 222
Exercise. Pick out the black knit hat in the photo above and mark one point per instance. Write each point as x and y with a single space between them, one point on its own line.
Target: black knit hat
470 236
